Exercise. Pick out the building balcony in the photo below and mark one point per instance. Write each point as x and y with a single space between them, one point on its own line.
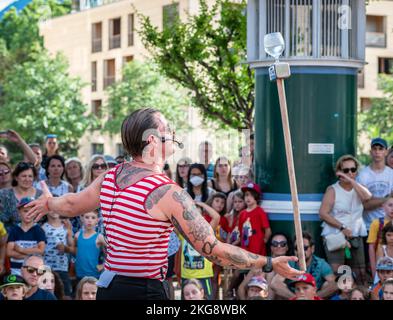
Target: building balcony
115 41
108 80
96 45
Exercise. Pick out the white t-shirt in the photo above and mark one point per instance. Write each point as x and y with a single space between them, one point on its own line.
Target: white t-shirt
380 184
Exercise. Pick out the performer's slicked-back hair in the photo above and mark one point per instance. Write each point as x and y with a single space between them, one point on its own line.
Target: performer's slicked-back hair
133 128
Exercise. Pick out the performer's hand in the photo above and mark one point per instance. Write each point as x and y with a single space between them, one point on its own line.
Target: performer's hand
39 207
281 266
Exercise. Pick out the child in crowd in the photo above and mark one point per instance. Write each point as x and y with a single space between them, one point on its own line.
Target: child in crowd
88 244
192 264
218 202
386 247
384 271
230 222
86 289
24 239
359 293
375 234
387 289
253 221
193 290
58 233
345 284
14 287
52 282
47 282
253 286
305 288
3 247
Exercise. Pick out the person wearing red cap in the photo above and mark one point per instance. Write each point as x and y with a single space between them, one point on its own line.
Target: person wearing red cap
253 222
305 288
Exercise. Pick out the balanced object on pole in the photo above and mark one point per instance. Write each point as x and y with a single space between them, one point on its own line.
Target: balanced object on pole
274 46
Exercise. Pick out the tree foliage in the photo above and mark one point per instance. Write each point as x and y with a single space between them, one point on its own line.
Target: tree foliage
41 98
142 85
19 31
377 121
206 55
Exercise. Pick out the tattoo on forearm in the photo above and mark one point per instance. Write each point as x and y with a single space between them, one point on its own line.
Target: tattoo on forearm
199 229
156 196
178 227
208 247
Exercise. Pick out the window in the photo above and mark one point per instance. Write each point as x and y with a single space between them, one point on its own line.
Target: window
127 59
130 30
376 31
170 13
385 65
109 72
97 148
365 103
96 108
119 149
114 33
96 37
94 76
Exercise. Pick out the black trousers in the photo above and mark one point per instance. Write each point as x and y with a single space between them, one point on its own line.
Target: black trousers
128 288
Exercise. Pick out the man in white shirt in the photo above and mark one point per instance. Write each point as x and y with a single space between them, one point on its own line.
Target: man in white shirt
378 178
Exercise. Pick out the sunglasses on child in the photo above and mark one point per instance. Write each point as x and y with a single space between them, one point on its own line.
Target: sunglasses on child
97 166
353 170
281 244
39 271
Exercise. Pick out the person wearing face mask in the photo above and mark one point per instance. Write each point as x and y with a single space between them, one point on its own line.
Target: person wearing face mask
197 183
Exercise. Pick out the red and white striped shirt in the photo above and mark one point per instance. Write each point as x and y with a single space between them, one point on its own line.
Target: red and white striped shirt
137 244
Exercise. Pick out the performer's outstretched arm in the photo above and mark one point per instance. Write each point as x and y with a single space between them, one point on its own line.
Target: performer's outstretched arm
69 205
178 207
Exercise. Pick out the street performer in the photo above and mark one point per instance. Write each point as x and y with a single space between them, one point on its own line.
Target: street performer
140 207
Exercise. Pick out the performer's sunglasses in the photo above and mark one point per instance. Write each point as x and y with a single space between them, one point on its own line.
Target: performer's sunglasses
353 170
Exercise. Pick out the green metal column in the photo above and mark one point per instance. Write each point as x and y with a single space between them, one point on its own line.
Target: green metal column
322 110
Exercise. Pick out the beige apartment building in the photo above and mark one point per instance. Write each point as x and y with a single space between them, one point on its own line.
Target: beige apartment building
98 38
379 50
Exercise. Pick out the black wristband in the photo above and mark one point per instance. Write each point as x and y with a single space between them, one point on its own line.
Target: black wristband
268 267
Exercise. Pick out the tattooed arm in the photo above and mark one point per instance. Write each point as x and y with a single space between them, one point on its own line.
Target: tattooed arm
68 205
178 207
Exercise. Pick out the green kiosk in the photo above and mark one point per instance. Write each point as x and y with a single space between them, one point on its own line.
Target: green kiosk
325 47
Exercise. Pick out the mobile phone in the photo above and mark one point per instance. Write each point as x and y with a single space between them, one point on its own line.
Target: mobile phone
4 132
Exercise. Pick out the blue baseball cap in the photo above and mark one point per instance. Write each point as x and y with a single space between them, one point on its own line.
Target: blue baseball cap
24 201
48 136
380 141
385 263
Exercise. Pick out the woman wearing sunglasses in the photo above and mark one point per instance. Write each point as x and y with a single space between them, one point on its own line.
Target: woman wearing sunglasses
278 245
342 211
95 167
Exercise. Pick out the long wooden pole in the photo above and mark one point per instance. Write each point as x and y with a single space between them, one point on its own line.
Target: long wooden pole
291 173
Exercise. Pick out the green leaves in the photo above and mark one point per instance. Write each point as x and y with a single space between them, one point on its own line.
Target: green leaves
377 121
40 97
206 56
142 86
